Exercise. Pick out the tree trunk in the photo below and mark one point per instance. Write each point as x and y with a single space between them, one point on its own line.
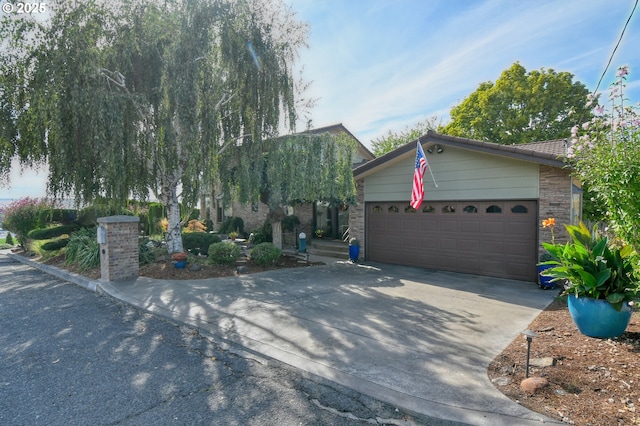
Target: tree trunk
169 198
276 227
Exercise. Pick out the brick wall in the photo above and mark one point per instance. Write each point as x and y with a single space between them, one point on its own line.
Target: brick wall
356 218
255 219
555 201
119 257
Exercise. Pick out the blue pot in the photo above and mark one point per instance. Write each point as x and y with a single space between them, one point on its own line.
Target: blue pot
598 318
354 252
545 282
180 264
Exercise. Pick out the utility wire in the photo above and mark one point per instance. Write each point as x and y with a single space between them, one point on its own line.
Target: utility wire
616 48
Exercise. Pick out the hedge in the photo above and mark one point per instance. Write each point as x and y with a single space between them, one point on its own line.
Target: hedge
52 232
199 242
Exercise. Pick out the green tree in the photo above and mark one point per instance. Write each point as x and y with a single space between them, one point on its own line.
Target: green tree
393 140
521 107
127 98
304 167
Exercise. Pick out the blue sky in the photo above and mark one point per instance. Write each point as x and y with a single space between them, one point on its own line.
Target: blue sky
380 65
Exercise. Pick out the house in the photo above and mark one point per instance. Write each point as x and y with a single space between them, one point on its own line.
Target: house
333 220
483 216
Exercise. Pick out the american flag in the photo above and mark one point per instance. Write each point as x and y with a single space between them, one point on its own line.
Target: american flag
417 191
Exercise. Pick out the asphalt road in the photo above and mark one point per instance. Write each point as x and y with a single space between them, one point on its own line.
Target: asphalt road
69 356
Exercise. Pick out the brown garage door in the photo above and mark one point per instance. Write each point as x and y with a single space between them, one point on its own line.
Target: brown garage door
492 238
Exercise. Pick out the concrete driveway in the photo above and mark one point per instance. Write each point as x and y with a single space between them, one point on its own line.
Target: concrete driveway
417 338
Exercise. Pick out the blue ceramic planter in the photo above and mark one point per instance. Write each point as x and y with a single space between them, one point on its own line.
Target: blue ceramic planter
597 318
180 264
545 282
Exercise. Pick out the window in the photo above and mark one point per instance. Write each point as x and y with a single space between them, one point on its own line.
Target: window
376 209
470 209
428 209
409 209
494 209
393 209
519 209
449 209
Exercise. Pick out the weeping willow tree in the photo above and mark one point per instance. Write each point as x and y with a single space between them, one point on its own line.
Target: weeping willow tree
305 167
127 98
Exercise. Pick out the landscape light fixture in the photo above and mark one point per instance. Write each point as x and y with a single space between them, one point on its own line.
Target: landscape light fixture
529 335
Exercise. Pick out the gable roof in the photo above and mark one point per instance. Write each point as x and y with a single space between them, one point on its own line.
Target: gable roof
549 153
338 128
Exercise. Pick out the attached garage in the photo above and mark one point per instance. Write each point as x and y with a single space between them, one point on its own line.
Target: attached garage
496 238
483 215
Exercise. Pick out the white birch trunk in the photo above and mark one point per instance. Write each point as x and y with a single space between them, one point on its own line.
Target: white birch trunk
169 198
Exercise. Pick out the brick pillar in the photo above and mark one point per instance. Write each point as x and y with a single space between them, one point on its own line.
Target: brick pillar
119 249
356 218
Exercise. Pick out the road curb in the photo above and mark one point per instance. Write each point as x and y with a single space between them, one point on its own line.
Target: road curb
72 277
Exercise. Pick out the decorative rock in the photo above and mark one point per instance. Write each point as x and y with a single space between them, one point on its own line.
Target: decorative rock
543 362
195 267
242 270
532 384
501 381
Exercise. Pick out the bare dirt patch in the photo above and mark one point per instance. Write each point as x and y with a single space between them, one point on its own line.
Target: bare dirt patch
593 382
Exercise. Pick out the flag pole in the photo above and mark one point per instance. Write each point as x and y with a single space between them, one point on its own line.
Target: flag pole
432 178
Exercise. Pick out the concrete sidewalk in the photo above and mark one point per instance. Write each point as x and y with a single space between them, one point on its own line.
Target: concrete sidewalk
416 338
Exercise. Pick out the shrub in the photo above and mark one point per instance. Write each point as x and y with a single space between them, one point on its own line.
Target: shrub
5 246
156 212
232 224
265 254
9 239
223 253
146 254
51 215
55 244
195 225
83 249
52 232
199 242
289 223
258 236
22 216
89 215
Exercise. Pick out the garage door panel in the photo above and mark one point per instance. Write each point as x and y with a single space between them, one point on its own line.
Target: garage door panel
487 238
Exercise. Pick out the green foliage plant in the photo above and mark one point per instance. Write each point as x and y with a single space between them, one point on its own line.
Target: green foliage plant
199 242
55 215
52 232
9 239
223 253
594 267
83 249
22 216
520 107
232 224
605 155
265 254
290 222
393 140
56 244
146 254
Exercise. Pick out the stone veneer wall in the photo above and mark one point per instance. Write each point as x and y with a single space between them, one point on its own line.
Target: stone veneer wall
555 202
356 218
255 219
119 257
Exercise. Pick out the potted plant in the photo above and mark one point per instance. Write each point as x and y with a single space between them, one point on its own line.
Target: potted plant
179 259
319 233
354 249
233 235
545 282
600 281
